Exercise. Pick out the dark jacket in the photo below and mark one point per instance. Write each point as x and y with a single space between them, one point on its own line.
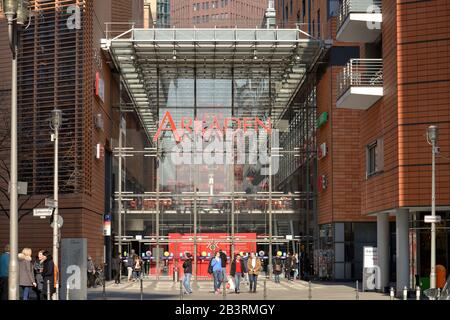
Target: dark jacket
38 266
26 275
115 264
223 257
49 275
233 267
187 266
277 266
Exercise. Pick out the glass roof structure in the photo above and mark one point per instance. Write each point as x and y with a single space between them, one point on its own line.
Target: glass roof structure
146 57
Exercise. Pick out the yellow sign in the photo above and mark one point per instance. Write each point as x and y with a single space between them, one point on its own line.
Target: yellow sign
203 253
166 254
279 253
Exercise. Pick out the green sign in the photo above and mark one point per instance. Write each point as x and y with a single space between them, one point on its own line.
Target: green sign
323 118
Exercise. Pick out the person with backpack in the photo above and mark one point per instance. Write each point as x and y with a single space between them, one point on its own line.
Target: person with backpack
187 268
277 268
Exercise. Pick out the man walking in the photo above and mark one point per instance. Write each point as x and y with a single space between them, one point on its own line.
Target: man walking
4 273
187 268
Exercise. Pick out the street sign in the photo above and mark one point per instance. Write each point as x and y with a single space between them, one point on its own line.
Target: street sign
431 219
289 237
42 212
51 203
60 222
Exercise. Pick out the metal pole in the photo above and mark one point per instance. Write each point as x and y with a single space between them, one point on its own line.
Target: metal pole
309 291
142 287
433 213
13 279
392 293
224 289
157 215
181 290
56 125
119 249
67 292
270 210
357 290
405 293
265 290
48 290
417 293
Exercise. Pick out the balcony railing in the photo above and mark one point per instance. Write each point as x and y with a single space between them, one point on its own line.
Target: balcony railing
361 73
357 6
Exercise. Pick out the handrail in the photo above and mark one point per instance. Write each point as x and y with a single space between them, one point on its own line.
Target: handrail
360 73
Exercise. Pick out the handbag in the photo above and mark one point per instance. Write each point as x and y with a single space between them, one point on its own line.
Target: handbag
230 284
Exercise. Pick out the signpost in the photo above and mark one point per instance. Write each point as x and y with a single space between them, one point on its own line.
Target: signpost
433 219
371 270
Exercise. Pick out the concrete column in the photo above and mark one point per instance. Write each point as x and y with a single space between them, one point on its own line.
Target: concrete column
383 248
402 241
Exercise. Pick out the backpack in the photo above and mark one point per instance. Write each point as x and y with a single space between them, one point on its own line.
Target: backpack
210 267
278 267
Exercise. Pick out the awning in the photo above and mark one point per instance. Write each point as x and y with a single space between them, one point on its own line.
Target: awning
139 55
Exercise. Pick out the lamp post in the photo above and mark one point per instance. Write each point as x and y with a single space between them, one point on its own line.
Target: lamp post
16 12
432 136
55 125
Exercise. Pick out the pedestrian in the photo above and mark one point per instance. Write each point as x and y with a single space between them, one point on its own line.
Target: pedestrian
296 266
223 258
216 265
4 272
38 267
115 268
90 272
137 267
237 270
289 266
130 264
48 275
253 267
277 268
26 276
187 268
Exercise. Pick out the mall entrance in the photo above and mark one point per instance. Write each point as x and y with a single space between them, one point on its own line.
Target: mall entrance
212 152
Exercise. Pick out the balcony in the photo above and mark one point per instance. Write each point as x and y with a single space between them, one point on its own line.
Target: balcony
360 84
359 21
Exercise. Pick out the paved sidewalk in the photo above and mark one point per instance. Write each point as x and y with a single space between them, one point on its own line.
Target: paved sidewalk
286 290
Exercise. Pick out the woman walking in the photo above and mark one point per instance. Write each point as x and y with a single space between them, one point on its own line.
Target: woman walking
254 267
26 276
237 271
277 268
216 265
38 270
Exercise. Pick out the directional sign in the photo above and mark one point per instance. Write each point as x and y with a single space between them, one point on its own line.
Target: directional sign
51 203
42 212
431 219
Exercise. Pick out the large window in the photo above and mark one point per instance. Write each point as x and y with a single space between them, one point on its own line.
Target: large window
374 158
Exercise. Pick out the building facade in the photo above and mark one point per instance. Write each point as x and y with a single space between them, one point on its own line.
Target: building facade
218 13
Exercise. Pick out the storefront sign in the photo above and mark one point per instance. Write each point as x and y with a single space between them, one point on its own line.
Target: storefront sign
371 270
99 87
323 118
322 152
189 125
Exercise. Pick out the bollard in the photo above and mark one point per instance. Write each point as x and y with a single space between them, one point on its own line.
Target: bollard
181 290
142 288
48 289
392 293
309 291
104 287
405 293
265 290
67 292
417 293
57 291
357 290
224 290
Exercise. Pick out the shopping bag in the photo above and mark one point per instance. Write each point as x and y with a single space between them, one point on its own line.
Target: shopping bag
230 284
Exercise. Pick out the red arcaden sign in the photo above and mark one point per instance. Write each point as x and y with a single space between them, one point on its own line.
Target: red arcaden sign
190 125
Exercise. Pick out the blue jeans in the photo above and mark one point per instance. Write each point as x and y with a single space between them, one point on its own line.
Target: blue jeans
187 282
237 280
253 281
224 274
277 278
26 292
217 280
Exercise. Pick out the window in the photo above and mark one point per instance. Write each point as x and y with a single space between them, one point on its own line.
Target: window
332 8
291 6
374 158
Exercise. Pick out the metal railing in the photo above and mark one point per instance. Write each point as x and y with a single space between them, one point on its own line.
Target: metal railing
357 6
360 73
